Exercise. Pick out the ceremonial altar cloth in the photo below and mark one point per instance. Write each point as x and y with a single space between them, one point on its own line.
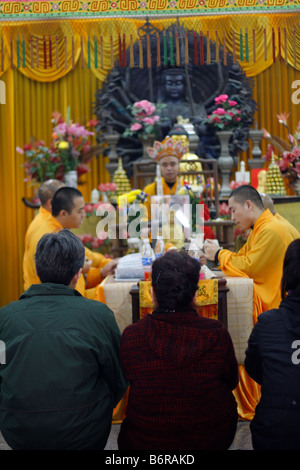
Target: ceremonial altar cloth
206 301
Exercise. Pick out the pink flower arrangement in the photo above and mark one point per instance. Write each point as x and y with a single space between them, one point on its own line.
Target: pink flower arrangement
91 209
69 147
227 115
288 159
107 190
224 210
71 139
235 184
91 242
144 118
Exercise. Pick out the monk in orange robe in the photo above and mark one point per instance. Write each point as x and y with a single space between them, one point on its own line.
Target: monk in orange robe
168 157
67 212
260 259
46 193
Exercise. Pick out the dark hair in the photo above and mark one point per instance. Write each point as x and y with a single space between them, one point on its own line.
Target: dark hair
58 257
247 192
47 190
291 273
63 199
175 279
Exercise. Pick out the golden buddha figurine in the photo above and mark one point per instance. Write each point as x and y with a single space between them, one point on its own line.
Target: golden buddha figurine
261 179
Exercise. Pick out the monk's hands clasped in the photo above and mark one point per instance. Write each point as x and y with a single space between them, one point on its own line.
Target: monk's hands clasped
210 249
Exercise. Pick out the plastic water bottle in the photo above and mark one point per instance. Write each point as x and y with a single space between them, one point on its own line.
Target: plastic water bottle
147 253
194 250
159 247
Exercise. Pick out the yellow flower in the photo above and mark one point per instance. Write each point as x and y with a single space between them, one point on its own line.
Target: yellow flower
182 190
130 197
63 145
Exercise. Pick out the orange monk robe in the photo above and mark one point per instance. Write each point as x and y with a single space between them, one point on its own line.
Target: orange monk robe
260 259
41 216
151 190
50 225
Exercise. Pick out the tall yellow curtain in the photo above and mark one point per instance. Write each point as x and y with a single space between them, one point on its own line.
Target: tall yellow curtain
34 92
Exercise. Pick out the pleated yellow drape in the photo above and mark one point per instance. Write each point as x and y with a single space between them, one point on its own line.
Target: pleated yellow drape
33 93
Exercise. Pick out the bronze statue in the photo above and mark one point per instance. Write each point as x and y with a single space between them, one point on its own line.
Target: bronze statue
187 90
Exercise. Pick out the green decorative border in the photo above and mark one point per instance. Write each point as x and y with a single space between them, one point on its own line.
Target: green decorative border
123 8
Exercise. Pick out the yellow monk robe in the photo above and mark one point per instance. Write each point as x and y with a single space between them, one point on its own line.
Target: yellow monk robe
50 225
260 259
42 215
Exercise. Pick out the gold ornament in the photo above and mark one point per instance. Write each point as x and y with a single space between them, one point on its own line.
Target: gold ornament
121 180
274 180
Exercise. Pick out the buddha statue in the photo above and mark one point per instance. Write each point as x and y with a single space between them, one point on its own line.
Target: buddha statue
174 95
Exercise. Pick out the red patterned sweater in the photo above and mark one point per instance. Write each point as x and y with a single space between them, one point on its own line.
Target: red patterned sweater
182 370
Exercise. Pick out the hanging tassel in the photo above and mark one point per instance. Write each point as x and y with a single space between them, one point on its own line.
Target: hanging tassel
120 52
186 47
2 55
285 45
201 49
141 52
195 49
265 43
279 44
66 53
254 45
11 54
171 49
241 46
81 53
45 52
101 52
31 53
294 48
124 51
73 58
158 61
89 52
56 53
95 52
217 48
233 47
273 45
224 49
208 48
111 52
131 55
148 52
18 53
247 45
50 51
165 48
37 52
177 50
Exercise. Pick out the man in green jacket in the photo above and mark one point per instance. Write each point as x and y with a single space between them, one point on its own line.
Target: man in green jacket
60 376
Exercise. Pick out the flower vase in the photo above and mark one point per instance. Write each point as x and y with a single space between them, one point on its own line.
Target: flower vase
147 142
296 187
225 162
71 179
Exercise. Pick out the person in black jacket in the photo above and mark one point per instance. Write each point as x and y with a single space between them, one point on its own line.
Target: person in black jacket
60 372
273 361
